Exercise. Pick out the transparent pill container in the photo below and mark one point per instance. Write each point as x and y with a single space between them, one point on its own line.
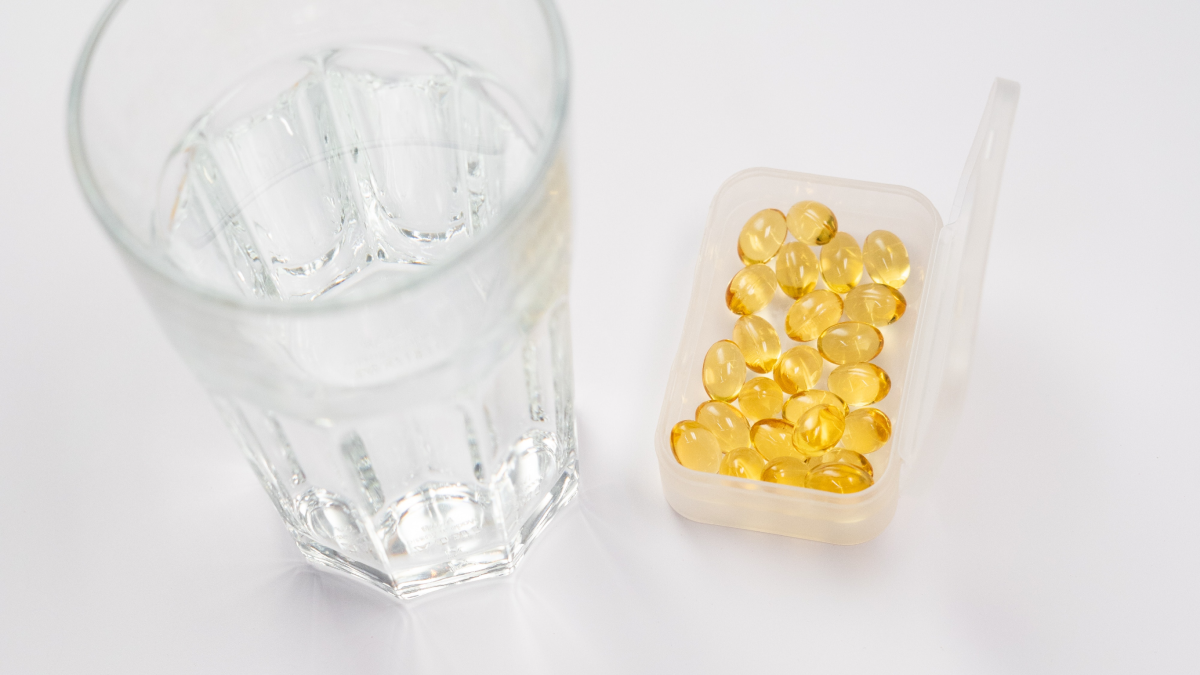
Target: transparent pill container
927 352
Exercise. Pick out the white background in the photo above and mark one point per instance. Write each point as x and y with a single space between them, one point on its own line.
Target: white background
1062 535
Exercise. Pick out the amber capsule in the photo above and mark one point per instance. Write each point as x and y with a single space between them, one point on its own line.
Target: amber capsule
786 471
841 263
812 314
759 342
867 429
838 477
850 342
726 423
885 258
860 383
761 398
796 269
818 429
772 438
743 463
750 290
724 371
695 447
842 456
799 404
876 304
811 223
798 369
761 236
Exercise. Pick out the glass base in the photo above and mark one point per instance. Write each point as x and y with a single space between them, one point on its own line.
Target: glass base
415 496
496 562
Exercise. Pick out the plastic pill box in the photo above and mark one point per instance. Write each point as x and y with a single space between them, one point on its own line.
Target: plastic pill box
928 352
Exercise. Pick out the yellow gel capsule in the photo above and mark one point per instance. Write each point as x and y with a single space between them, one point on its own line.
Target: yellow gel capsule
760 398
750 290
838 477
811 223
796 269
818 429
786 471
759 342
772 438
886 258
812 314
724 371
695 447
841 263
860 383
842 456
799 404
798 369
726 423
876 304
761 236
850 342
743 463
867 429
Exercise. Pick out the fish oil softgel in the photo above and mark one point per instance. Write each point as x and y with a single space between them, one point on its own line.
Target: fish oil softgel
772 438
841 455
798 369
794 426
841 263
796 269
751 289
867 429
761 236
724 371
850 342
758 341
812 314
811 223
760 398
838 477
726 423
799 404
787 471
695 447
885 258
876 304
743 463
818 429
860 383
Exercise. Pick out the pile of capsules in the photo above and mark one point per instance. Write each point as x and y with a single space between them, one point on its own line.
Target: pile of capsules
782 429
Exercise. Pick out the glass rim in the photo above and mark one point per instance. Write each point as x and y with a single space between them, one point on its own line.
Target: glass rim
545 156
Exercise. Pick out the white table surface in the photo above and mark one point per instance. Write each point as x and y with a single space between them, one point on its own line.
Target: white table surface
1063 534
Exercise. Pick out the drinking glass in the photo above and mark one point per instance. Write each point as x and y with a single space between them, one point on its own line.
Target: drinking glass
350 218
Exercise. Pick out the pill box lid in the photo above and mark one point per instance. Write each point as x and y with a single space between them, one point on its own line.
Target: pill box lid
941 357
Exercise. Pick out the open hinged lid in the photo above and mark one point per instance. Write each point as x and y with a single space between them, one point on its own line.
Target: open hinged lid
945 336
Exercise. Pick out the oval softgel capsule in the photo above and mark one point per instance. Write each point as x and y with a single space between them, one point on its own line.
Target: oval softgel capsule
876 304
841 263
761 236
759 342
850 342
797 269
695 447
886 258
809 316
750 289
811 223
724 371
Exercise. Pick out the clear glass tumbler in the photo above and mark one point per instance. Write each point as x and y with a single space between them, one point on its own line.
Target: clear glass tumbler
351 219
